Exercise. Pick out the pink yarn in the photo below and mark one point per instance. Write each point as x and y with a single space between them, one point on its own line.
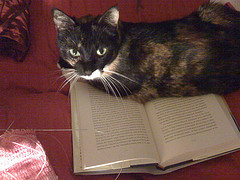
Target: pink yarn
23 157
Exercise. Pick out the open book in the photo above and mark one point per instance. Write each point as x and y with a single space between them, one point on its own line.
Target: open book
112 134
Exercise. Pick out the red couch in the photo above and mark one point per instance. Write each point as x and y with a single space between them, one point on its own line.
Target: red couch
30 95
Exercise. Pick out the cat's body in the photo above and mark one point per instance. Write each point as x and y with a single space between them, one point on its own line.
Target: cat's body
195 55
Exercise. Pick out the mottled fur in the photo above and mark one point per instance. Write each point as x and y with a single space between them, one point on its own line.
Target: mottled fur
196 55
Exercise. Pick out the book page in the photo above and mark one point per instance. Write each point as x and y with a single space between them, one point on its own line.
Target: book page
184 128
115 131
77 157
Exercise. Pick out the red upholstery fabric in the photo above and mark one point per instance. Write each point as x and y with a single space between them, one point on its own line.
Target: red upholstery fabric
30 97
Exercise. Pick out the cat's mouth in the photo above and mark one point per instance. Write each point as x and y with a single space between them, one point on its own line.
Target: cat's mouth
92 75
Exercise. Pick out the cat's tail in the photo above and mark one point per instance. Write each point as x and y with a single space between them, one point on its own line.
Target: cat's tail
219 14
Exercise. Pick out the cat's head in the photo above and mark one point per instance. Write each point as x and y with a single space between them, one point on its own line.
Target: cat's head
87 45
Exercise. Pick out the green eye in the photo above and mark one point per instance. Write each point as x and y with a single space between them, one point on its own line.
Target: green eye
74 53
101 51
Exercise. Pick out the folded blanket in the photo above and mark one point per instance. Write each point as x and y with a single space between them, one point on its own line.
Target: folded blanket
23 157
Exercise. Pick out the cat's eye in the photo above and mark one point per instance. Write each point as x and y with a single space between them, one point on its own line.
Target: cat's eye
101 51
74 52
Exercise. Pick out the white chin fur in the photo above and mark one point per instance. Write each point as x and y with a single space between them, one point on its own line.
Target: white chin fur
94 75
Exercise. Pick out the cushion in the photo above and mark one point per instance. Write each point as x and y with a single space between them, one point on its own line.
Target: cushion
14 28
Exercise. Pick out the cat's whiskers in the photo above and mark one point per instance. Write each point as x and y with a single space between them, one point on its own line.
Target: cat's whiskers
68 73
114 88
69 79
109 82
71 76
75 79
121 75
109 85
103 80
65 73
122 86
56 72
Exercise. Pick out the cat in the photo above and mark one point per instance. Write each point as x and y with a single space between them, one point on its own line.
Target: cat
195 55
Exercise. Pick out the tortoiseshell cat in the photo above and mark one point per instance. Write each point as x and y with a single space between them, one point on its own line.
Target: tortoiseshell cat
196 55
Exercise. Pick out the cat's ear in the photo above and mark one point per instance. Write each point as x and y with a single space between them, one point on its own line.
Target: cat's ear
61 20
110 17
